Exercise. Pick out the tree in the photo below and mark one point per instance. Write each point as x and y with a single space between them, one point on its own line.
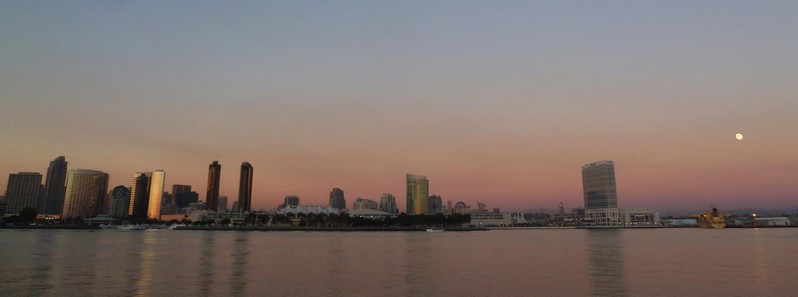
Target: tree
225 222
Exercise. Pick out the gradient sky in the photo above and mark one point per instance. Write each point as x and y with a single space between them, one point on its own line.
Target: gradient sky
495 101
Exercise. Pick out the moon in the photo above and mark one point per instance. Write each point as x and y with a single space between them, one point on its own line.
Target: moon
739 136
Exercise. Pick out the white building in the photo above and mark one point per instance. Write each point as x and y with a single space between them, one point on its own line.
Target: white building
640 216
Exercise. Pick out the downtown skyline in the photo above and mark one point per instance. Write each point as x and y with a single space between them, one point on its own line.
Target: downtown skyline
494 102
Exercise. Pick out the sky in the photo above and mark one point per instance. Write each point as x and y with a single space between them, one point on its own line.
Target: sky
500 102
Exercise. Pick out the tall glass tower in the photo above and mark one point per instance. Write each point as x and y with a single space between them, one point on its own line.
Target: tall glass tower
52 201
245 188
417 194
157 182
601 198
212 196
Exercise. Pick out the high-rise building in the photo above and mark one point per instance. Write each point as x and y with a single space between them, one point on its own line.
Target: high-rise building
23 191
388 203
435 204
417 194
120 201
245 188
52 201
212 196
601 200
140 195
222 203
85 193
290 200
363 203
178 195
337 200
155 202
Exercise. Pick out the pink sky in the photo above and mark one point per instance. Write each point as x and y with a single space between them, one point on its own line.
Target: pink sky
494 102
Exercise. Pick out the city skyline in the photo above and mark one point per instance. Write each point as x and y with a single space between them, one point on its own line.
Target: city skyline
495 102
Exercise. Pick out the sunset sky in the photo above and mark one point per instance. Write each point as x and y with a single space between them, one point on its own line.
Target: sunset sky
494 101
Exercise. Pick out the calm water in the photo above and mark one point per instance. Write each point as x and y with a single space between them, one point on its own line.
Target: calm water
661 262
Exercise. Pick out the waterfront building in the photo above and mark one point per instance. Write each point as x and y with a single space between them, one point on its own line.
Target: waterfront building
461 208
290 200
388 203
140 195
337 199
245 188
417 194
187 198
157 181
120 201
212 195
601 200
435 204
52 201
235 207
372 214
221 203
640 216
363 203
23 191
85 193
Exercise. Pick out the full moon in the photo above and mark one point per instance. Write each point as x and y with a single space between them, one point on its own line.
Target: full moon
739 136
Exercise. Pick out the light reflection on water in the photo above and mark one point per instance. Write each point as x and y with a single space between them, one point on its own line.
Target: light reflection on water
662 262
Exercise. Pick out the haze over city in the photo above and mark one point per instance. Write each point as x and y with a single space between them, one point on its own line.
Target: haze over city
498 102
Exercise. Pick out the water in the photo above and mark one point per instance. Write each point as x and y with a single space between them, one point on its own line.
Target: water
651 262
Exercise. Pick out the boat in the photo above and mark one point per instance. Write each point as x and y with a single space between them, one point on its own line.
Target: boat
176 225
434 230
712 219
131 227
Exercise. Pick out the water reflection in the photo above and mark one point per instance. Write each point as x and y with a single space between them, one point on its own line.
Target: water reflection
238 279
606 262
205 276
146 258
42 270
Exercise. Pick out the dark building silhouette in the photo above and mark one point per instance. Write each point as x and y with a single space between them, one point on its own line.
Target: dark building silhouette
290 200
337 199
120 201
245 188
140 195
52 202
23 191
212 196
178 195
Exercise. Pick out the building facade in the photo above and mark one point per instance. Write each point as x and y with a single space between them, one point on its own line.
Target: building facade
85 193
337 200
245 188
290 201
178 192
140 195
157 181
388 203
435 204
363 203
417 194
120 201
212 195
600 194
52 202
23 191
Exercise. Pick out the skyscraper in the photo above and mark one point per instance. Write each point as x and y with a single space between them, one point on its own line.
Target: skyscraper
388 203
435 204
52 201
417 194
245 188
212 196
85 193
601 200
157 182
337 200
221 203
140 195
290 200
120 201
363 203
23 191
179 195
